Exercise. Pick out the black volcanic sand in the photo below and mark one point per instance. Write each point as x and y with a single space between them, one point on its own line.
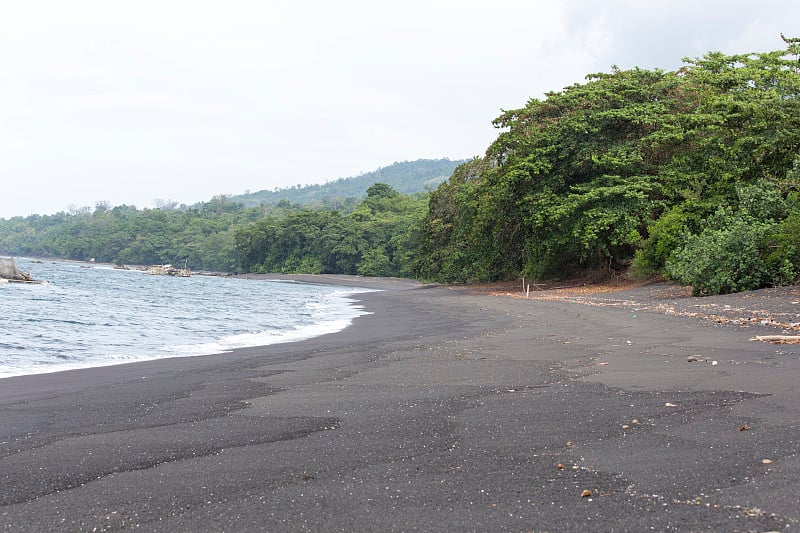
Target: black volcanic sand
440 411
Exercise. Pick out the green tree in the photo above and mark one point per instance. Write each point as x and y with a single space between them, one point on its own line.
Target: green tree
630 165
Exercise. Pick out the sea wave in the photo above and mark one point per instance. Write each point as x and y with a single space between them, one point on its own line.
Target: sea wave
101 316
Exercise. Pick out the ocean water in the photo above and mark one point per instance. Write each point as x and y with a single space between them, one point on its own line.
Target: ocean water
95 316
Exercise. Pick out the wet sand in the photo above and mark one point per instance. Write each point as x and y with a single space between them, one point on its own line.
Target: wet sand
440 411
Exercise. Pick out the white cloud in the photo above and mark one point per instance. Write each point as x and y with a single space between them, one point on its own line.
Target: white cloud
184 100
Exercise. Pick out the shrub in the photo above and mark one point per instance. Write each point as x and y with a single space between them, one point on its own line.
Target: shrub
730 255
665 235
784 250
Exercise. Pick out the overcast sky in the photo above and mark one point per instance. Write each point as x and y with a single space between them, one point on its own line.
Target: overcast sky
130 102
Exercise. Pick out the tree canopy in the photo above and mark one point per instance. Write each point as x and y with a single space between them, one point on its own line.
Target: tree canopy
632 166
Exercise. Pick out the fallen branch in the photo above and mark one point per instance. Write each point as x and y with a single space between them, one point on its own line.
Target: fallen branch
780 339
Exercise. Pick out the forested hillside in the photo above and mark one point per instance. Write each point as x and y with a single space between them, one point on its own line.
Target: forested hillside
378 238
407 177
218 235
691 174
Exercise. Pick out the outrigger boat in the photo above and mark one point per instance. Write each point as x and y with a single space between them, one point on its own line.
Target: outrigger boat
10 274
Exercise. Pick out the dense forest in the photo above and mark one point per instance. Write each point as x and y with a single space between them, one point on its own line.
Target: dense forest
124 234
379 238
691 174
373 233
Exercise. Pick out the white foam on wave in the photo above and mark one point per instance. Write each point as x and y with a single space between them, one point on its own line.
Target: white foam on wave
13 368
333 313
263 338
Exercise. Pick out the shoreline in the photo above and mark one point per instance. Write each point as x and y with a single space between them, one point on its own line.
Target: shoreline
343 291
440 410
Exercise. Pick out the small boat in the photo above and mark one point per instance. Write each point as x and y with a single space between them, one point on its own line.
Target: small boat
10 274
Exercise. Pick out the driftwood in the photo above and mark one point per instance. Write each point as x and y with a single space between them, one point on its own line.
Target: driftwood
168 270
780 339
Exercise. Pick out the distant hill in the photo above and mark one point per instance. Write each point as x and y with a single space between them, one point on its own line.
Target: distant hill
407 177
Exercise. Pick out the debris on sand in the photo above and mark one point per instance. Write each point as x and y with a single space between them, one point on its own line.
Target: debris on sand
778 339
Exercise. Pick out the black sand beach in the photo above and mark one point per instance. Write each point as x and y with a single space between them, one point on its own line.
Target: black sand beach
441 411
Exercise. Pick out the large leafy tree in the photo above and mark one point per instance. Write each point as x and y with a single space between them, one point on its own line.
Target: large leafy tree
631 163
570 183
743 132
